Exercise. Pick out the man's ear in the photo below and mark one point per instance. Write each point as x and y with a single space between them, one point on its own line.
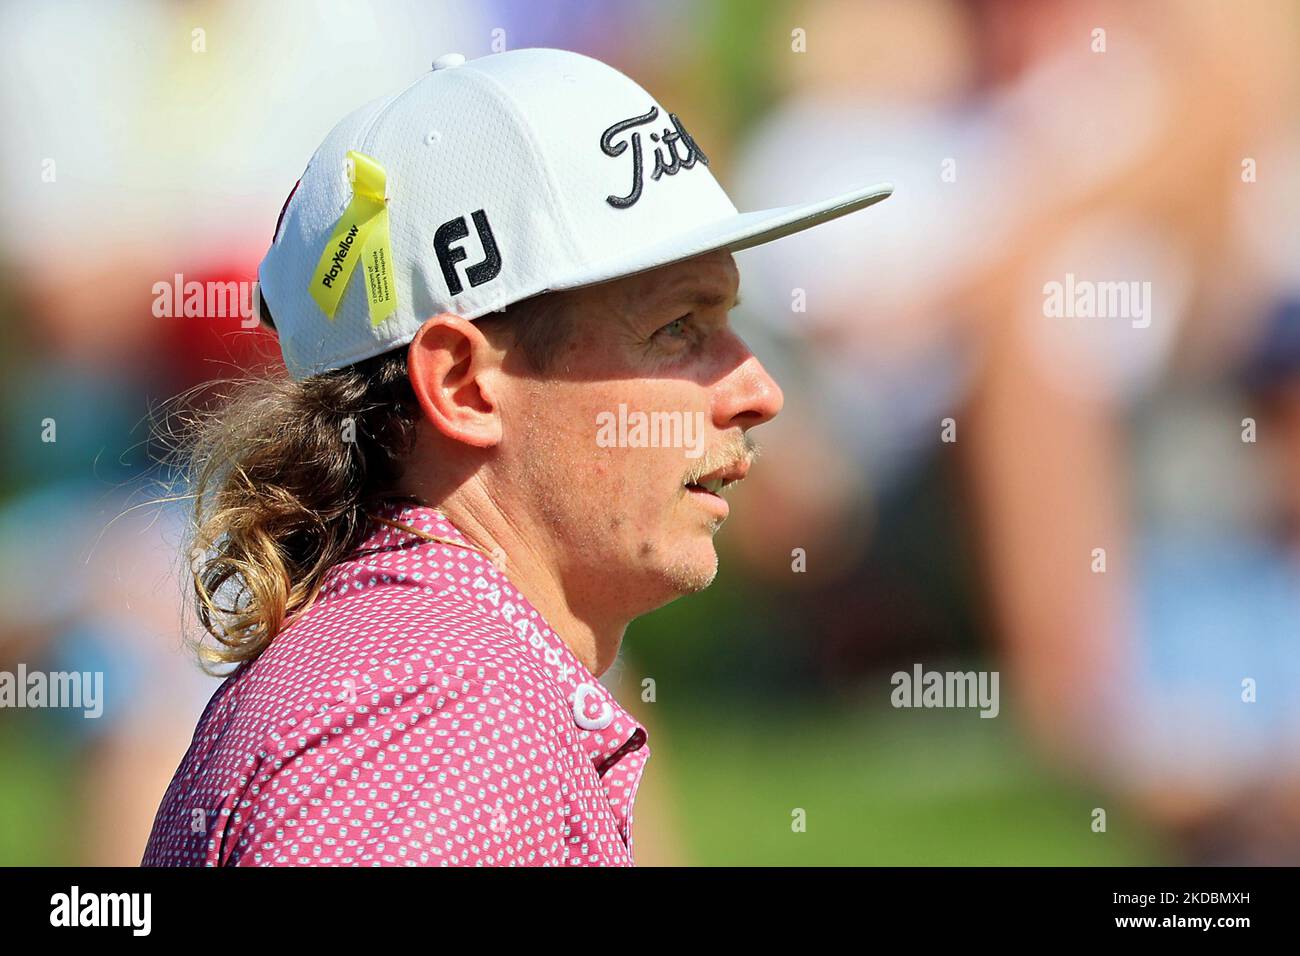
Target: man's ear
453 370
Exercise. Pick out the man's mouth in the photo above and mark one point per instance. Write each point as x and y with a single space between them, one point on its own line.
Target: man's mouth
716 482
713 486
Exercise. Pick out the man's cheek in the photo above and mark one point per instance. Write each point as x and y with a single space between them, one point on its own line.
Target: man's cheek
636 485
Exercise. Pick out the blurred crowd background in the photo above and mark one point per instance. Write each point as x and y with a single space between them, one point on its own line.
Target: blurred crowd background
1152 142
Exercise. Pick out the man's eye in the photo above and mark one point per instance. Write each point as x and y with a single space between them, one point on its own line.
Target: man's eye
677 328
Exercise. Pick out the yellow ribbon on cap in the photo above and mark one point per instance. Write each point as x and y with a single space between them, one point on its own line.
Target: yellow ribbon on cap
361 235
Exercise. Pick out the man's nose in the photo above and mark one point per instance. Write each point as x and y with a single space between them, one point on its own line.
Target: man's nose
748 396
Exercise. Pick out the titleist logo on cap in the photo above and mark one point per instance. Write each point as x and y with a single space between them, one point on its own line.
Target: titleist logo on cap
665 140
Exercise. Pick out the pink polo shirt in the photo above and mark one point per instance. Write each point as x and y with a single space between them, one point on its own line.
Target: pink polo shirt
421 713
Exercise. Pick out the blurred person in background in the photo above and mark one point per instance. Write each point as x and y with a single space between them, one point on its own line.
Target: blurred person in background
1100 485
1040 148
1040 151
88 585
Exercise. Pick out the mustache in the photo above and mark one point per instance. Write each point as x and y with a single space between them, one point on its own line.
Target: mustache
742 448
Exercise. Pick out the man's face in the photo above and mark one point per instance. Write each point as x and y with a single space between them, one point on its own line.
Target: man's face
619 448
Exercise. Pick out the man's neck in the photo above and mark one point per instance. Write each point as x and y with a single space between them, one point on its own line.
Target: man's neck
534 573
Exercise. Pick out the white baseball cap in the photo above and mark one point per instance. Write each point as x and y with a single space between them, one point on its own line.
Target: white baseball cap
496 179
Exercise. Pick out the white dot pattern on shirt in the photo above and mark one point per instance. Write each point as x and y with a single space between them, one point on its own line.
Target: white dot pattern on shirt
421 713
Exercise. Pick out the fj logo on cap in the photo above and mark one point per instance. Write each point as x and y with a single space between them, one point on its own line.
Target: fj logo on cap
666 140
455 230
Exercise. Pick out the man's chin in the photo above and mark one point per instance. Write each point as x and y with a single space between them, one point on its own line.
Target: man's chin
693 569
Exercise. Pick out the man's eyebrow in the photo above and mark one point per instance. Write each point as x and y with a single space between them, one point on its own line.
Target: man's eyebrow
711 300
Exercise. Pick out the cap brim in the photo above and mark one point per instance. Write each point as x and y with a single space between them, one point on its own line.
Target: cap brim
733 233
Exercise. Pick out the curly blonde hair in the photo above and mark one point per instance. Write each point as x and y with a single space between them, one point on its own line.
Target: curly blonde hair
285 477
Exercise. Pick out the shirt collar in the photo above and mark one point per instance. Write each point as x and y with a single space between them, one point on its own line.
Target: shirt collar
607 731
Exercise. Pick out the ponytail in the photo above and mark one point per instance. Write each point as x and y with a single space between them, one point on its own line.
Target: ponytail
285 476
